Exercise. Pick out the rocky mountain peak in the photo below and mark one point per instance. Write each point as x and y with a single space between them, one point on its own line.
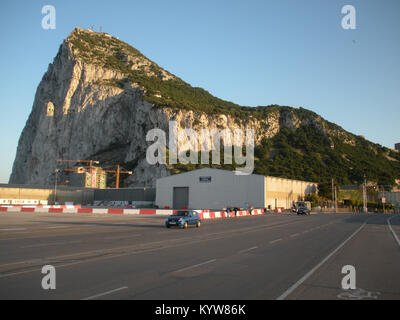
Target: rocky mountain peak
100 97
109 52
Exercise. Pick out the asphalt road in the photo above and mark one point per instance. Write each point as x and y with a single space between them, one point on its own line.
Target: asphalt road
256 257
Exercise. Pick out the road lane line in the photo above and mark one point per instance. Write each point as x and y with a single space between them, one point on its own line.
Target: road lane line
13 229
294 235
284 295
196 265
50 244
273 241
122 237
105 293
34 232
223 234
394 233
248 249
12 239
57 227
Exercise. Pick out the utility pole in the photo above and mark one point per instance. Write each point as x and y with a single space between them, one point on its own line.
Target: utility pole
365 193
336 203
333 195
55 186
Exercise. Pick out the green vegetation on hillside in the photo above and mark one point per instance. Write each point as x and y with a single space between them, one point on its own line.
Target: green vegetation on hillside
306 154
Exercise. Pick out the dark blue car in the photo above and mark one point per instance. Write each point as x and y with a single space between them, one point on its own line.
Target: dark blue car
183 219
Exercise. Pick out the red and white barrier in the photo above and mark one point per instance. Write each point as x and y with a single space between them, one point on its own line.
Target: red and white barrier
203 214
43 206
206 214
79 209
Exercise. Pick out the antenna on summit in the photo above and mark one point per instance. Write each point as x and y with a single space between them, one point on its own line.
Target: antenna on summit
101 28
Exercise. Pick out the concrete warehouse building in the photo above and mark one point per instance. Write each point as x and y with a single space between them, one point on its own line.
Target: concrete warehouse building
215 189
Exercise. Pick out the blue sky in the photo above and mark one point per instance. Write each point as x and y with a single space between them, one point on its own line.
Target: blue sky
287 52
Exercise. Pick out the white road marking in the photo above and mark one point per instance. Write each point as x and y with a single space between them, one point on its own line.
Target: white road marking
309 273
69 228
248 249
394 233
57 227
104 293
273 241
245 230
196 265
9 239
294 235
49 244
13 229
122 237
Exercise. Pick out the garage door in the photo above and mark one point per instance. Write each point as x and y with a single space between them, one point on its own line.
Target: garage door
181 197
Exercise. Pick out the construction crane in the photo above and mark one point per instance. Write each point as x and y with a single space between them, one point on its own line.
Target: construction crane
77 170
118 172
91 162
83 161
81 169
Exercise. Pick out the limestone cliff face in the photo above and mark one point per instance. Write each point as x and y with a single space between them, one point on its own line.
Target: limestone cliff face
87 109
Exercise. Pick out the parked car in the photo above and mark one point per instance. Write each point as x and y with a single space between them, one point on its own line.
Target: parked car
303 210
183 219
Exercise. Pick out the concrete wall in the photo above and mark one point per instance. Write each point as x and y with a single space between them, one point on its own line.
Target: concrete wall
281 192
225 189
125 194
46 193
76 195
